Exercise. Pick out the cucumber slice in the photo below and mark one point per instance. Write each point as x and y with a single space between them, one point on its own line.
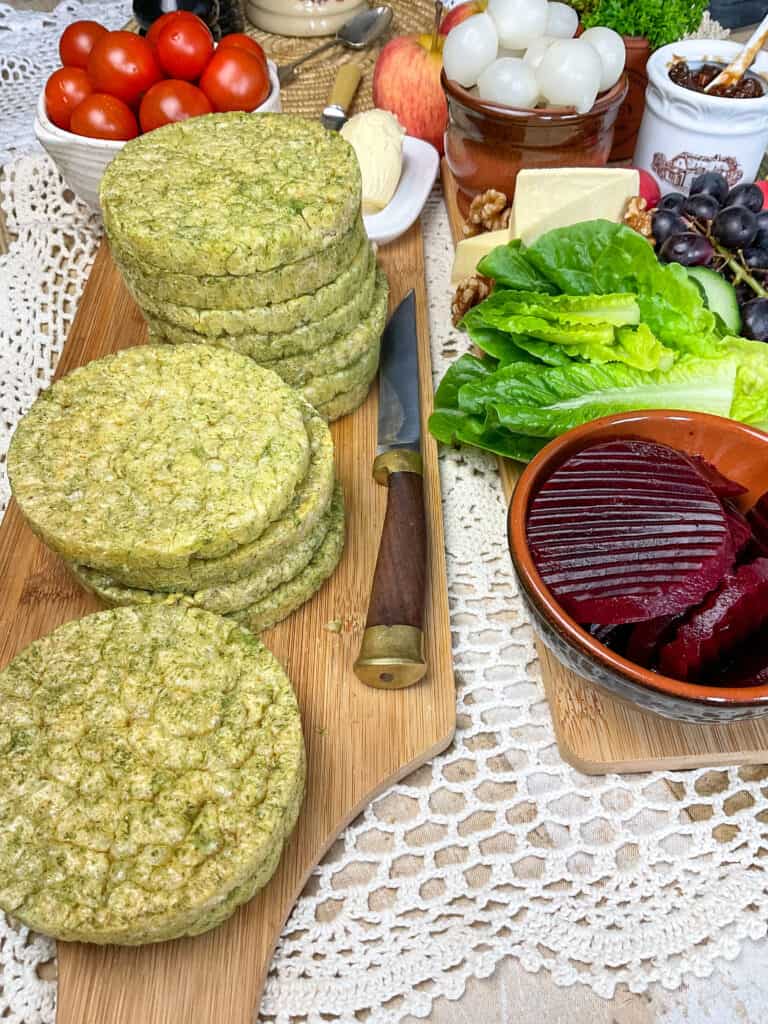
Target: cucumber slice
719 295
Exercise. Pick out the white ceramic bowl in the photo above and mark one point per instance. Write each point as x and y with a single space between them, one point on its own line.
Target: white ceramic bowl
81 161
684 133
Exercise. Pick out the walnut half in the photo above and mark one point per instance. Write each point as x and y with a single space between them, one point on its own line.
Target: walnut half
638 217
490 211
470 292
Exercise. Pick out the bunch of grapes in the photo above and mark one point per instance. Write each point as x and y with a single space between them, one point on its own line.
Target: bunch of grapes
725 229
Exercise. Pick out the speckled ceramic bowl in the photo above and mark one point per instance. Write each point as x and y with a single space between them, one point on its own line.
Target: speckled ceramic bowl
738 451
82 162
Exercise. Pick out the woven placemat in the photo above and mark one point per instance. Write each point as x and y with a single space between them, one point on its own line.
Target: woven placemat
308 93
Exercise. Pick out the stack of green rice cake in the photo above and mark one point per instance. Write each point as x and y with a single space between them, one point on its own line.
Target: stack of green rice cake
183 474
245 231
152 768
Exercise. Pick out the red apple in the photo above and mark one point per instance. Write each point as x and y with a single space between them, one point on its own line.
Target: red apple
406 81
649 189
763 186
461 13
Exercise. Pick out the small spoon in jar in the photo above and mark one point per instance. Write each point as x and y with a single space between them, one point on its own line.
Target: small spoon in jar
358 33
738 68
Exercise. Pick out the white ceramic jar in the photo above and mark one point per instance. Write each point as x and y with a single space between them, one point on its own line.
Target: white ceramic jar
684 133
302 17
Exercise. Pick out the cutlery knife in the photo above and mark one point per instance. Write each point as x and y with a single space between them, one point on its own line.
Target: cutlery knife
392 652
343 92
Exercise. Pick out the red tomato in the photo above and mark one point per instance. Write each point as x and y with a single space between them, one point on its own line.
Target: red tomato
65 90
101 116
184 48
169 101
243 42
157 26
77 41
123 65
235 80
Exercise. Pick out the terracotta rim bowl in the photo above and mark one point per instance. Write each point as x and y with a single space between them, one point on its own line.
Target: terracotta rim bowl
740 452
561 115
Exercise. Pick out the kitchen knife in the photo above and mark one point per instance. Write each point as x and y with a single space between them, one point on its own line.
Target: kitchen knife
392 652
343 92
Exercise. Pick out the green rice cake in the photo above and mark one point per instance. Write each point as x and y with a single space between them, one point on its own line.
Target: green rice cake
344 403
231 193
265 348
230 292
223 598
158 455
285 599
322 389
347 349
310 503
151 765
278 318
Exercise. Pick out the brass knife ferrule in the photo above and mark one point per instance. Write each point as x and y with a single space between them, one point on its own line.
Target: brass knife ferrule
398 460
391 657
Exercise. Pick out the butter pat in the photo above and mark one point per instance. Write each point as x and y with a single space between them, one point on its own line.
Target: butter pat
470 251
559 197
377 139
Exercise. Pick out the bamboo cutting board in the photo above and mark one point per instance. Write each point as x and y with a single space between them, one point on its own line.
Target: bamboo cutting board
359 740
597 733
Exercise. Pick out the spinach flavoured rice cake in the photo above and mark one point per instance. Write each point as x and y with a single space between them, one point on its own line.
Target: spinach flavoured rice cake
346 402
231 193
152 766
158 456
229 292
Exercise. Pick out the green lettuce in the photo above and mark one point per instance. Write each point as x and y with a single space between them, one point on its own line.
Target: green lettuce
510 268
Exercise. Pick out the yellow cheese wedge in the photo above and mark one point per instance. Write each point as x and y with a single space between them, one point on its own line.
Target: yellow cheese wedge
470 251
561 196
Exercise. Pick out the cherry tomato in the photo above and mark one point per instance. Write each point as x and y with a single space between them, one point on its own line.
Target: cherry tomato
183 48
235 80
101 116
165 19
123 65
169 101
77 41
243 42
65 90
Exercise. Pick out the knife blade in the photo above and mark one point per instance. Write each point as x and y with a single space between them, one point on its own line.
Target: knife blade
392 651
342 94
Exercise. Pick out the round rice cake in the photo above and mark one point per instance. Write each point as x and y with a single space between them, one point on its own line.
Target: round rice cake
344 403
224 598
323 389
231 193
151 764
265 348
285 599
278 318
343 351
229 292
158 455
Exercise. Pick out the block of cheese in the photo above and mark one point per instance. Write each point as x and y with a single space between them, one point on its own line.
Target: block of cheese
470 251
558 197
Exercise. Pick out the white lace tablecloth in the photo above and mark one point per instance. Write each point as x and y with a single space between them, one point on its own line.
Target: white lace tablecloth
496 849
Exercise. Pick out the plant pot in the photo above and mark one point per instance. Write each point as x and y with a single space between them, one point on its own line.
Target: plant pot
631 113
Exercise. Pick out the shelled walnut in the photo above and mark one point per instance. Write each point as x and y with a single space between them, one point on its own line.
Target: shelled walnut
489 211
638 217
469 292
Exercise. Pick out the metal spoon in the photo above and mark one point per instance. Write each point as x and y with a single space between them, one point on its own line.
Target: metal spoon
358 34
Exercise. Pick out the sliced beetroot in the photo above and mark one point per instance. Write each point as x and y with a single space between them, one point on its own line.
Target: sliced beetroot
729 616
757 517
749 668
647 637
628 530
740 530
721 485
614 637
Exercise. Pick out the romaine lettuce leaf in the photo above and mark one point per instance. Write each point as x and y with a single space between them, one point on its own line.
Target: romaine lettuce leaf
509 267
750 401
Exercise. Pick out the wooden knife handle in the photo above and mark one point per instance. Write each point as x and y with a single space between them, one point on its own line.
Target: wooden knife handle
345 86
392 652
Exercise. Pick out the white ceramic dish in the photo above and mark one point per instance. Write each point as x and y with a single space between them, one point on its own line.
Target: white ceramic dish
81 161
302 17
420 166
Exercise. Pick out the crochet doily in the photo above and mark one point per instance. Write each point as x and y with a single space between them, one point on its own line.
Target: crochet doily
495 849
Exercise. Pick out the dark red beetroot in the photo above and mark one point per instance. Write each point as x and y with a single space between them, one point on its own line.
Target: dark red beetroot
757 517
721 485
741 531
628 530
647 637
749 668
734 612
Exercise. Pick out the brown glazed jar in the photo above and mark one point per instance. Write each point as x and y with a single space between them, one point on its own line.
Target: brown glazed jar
631 113
486 144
